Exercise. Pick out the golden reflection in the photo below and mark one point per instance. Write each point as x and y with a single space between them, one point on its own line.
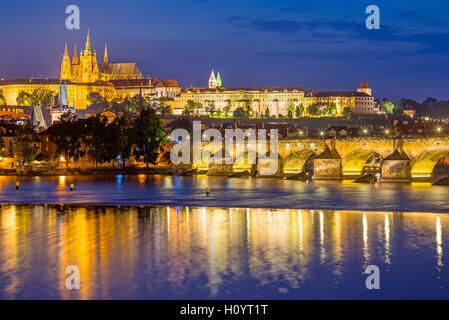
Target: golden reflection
387 239
365 239
121 251
301 236
322 246
62 180
439 243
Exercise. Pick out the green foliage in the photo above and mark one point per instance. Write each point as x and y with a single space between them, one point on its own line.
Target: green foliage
189 107
66 134
314 109
26 146
388 107
149 136
2 98
210 109
39 97
239 113
24 99
347 113
96 102
331 110
299 111
122 132
101 139
267 113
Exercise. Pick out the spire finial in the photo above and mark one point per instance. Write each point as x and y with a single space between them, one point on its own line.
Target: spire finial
106 53
66 53
88 50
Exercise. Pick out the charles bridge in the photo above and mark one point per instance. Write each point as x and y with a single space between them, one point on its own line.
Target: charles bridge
397 159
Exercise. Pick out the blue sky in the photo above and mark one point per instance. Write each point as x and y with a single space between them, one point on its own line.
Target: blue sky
322 45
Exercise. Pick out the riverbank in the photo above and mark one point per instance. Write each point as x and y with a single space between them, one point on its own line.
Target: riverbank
88 172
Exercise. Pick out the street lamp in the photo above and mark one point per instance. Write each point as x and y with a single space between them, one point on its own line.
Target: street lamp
365 131
387 132
439 130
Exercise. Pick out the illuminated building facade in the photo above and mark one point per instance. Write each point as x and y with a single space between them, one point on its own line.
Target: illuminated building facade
83 74
278 101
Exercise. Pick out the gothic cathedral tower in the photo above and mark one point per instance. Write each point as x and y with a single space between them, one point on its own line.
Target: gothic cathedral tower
88 64
66 68
212 80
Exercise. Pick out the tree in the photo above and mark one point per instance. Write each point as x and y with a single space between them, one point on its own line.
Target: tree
388 107
210 109
3 152
2 98
97 102
149 137
42 97
248 111
239 113
299 111
331 110
25 147
24 99
347 113
123 133
291 111
101 139
189 107
226 110
66 134
267 113
314 109
166 111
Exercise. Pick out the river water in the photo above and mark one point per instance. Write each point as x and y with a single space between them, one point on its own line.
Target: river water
225 192
184 245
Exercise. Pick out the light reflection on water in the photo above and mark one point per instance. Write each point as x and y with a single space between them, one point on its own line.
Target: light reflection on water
179 252
225 192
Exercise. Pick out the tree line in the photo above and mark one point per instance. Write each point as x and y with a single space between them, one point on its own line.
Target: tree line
141 138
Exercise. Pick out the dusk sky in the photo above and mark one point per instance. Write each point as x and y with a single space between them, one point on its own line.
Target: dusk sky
322 45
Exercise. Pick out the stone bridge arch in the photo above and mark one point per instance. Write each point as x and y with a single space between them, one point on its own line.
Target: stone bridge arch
354 164
296 161
243 162
424 165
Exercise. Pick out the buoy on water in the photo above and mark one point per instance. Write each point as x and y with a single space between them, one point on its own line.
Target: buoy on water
207 191
71 187
17 185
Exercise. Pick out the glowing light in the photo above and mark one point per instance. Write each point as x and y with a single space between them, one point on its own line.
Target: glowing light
439 243
62 159
387 239
365 238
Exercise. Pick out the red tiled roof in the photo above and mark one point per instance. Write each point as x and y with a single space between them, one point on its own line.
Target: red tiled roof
364 85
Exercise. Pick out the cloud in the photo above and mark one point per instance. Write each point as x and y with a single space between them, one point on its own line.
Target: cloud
278 26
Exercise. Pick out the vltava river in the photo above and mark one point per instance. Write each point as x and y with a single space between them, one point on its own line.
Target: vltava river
225 192
198 252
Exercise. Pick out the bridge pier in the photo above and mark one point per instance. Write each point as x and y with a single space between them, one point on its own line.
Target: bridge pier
327 165
396 167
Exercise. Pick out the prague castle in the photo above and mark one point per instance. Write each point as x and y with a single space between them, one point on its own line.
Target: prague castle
275 101
83 74
86 68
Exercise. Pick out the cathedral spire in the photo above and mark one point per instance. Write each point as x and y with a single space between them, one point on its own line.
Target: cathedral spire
88 50
106 54
66 53
212 81
218 83
75 56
